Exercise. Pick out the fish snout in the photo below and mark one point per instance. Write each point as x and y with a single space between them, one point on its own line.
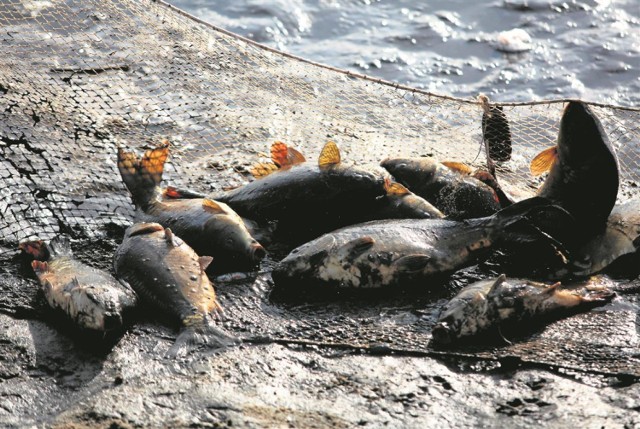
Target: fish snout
442 333
112 321
257 252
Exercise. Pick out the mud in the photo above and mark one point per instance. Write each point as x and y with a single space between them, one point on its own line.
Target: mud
77 79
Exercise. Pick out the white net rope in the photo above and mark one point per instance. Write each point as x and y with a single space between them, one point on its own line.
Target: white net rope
79 78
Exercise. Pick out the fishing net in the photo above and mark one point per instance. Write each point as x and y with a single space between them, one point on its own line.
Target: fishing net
80 78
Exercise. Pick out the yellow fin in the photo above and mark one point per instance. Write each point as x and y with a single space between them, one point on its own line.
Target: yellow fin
395 188
262 169
212 206
460 167
330 155
543 161
152 162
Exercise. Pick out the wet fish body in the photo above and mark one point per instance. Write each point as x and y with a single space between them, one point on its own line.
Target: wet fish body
209 227
456 195
92 298
489 304
168 274
397 252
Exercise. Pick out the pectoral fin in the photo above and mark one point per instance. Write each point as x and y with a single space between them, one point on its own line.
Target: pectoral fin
204 262
459 167
495 288
212 206
412 263
543 161
355 248
172 239
395 188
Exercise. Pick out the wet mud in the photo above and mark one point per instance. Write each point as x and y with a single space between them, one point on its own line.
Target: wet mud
309 359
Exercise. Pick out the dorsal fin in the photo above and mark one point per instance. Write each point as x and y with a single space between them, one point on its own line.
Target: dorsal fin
144 228
459 167
496 284
395 188
204 262
330 155
262 169
543 161
212 206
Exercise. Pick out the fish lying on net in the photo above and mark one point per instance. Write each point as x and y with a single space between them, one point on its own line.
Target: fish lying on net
307 199
402 252
458 196
167 273
92 298
491 304
210 227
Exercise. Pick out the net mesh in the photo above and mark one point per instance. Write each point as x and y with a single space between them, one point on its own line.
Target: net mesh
80 78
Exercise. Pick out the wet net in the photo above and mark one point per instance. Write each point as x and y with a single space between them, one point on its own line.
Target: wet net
80 78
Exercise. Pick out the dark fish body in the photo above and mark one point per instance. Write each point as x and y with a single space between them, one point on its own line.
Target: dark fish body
169 275
584 177
621 237
209 227
456 195
398 252
489 304
496 133
92 298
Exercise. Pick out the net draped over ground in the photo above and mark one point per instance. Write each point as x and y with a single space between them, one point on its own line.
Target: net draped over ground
80 78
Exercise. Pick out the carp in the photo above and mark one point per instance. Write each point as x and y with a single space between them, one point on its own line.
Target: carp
307 199
92 298
167 273
210 227
401 252
490 304
452 191
583 170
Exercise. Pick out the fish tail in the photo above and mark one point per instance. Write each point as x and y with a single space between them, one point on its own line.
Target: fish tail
201 334
36 248
60 246
143 175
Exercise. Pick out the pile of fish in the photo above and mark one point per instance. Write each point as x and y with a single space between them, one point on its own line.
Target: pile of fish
405 223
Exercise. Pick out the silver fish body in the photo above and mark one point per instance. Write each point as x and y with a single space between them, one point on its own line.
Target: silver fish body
92 298
490 304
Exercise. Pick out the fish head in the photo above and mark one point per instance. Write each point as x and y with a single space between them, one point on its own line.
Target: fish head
37 248
411 171
233 238
93 307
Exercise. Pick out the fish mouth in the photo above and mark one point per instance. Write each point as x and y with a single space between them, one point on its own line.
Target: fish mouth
112 321
257 252
442 333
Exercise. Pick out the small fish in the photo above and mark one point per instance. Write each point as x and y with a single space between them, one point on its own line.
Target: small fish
92 298
491 304
401 252
168 274
401 203
583 170
449 188
210 227
496 133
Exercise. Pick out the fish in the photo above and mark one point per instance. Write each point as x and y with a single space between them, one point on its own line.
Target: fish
93 299
211 227
392 253
583 171
499 302
621 237
169 275
401 203
452 191
496 133
307 199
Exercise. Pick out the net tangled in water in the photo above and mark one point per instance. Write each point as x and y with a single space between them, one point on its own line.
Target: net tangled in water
80 78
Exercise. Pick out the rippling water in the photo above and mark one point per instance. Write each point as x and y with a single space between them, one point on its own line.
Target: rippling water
587 49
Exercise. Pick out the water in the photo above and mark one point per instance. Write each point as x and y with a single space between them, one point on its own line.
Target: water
585 49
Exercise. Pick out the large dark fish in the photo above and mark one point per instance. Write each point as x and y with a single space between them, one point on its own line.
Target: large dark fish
400 252
210 227
456 194
307 199
489 304
92 298
621 237
168 274
496 133
584 173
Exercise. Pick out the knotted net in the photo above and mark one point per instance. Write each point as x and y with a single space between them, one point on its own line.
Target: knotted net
80 78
